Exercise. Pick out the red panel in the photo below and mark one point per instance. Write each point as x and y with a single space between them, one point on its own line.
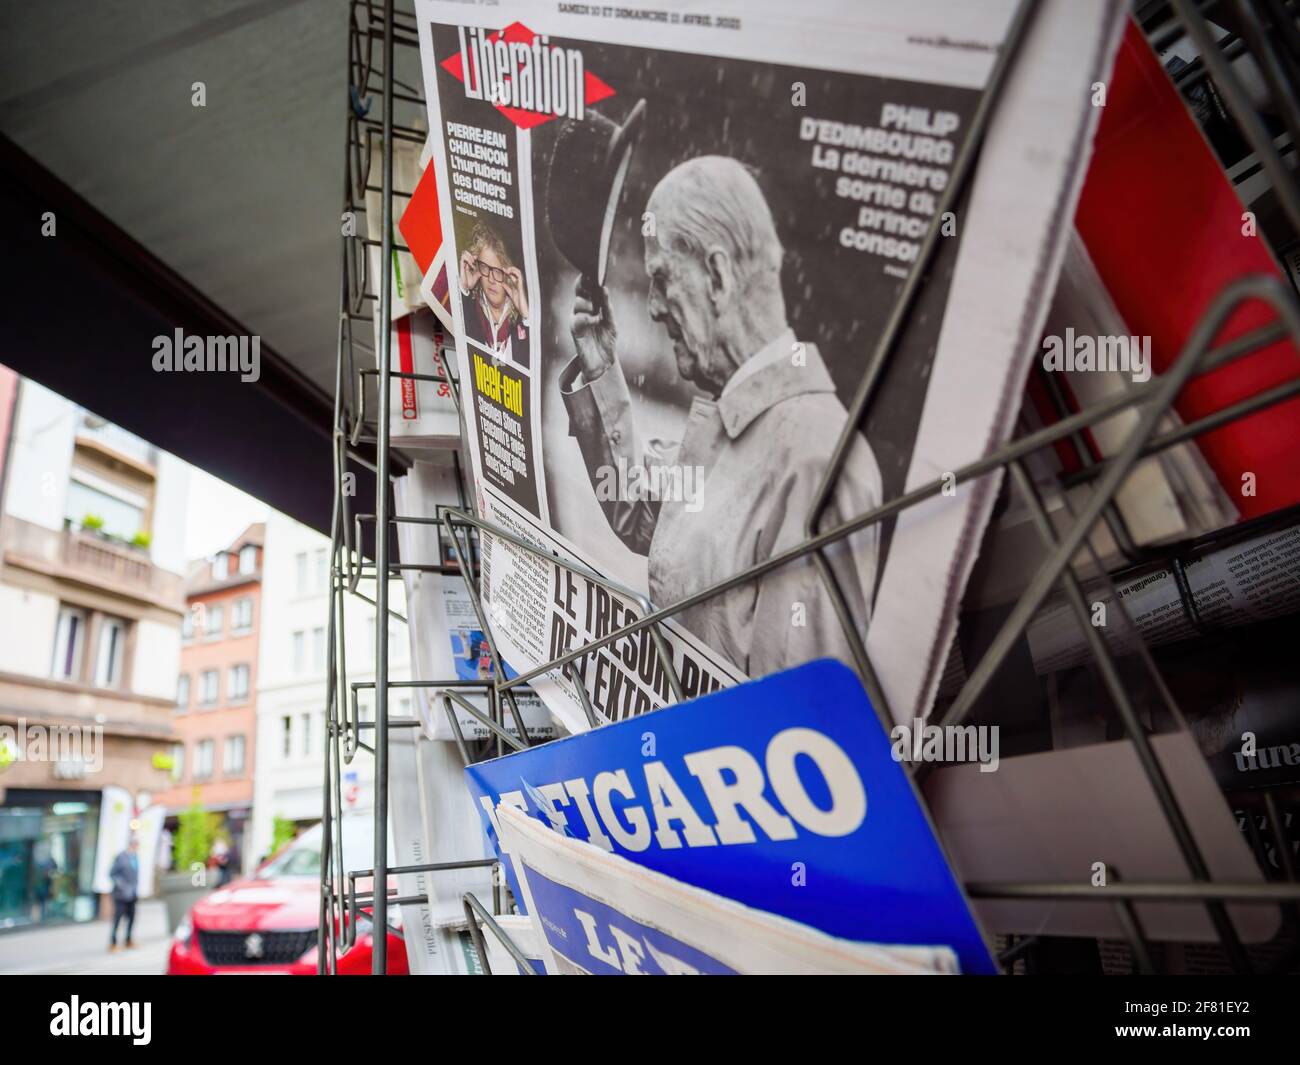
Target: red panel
1164 227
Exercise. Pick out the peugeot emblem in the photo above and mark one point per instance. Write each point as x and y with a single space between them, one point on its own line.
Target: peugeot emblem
253 946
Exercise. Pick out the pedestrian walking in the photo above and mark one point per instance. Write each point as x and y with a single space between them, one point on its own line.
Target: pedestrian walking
125 874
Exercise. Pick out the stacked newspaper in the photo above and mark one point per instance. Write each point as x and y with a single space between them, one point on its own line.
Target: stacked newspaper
673 242
1249 579
1090 358
598 913
433 821
422 413
448 643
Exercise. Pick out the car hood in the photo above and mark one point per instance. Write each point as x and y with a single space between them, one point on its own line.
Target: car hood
248 905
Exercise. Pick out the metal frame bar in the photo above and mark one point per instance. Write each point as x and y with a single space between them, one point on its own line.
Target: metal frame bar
475 912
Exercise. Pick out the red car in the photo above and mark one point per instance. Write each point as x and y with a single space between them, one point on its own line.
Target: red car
267 923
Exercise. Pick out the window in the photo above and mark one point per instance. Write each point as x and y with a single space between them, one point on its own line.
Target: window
286 737
306 735
214 622
241 615
183 692
232 757
300 565
209 687
322 574
248 559
187 626
120 510
178 761
237 691
110 653
220 566
68 639
318 649
203 760
299 651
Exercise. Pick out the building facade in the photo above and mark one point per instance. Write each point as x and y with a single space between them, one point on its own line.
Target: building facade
216 693
92 524
291 690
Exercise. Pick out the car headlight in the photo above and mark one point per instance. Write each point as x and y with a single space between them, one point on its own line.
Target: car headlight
184 932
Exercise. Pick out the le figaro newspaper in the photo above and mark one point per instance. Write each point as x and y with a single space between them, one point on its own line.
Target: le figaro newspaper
675 234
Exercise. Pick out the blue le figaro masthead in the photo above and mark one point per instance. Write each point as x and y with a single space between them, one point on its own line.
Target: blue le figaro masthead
781 794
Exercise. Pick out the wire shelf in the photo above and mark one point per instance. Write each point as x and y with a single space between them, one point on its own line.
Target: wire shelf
375 32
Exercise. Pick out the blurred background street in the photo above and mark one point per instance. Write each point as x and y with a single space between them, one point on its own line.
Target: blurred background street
81 949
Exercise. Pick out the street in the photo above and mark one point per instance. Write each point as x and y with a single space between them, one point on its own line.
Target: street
82 949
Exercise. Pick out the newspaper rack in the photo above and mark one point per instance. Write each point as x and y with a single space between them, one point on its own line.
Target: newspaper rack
376 27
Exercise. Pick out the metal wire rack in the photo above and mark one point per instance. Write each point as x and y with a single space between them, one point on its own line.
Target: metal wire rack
376 32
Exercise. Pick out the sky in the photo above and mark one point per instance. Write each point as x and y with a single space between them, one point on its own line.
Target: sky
216 514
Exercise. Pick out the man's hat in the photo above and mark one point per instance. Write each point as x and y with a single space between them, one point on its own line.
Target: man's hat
585 183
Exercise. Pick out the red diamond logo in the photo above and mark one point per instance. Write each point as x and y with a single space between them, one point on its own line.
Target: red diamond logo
518 33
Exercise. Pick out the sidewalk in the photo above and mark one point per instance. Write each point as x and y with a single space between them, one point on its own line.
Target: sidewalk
82 949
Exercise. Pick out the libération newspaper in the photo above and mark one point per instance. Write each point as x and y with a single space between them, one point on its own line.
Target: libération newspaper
599 913
675 234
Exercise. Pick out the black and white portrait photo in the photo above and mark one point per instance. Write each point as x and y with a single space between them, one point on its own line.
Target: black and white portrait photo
754 442
693 397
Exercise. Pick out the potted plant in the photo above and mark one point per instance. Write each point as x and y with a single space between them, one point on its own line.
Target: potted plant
282 831
190 878
141 540
92 523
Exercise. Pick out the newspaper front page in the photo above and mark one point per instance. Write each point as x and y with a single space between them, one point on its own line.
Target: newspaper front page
674 236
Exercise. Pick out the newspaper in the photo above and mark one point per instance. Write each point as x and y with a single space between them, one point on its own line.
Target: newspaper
600 914
674 239
519 928
422 414
407 282
1253 580
421 228
448 644
432 818
433 821
707 793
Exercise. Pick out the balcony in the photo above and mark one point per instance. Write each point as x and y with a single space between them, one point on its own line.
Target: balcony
73 555
116 442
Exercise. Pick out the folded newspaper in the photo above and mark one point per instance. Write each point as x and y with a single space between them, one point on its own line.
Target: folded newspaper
1249 580
600 914
422 413
407 281
519 929
433 822
673 241
783 795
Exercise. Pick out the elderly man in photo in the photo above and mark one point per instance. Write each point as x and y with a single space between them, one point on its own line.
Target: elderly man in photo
763 430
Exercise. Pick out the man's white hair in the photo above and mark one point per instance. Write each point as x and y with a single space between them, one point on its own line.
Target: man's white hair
717 203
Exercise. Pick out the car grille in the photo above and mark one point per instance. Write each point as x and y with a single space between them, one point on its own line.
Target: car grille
255 948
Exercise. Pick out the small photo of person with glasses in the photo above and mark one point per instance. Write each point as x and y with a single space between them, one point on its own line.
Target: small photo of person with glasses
495 298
